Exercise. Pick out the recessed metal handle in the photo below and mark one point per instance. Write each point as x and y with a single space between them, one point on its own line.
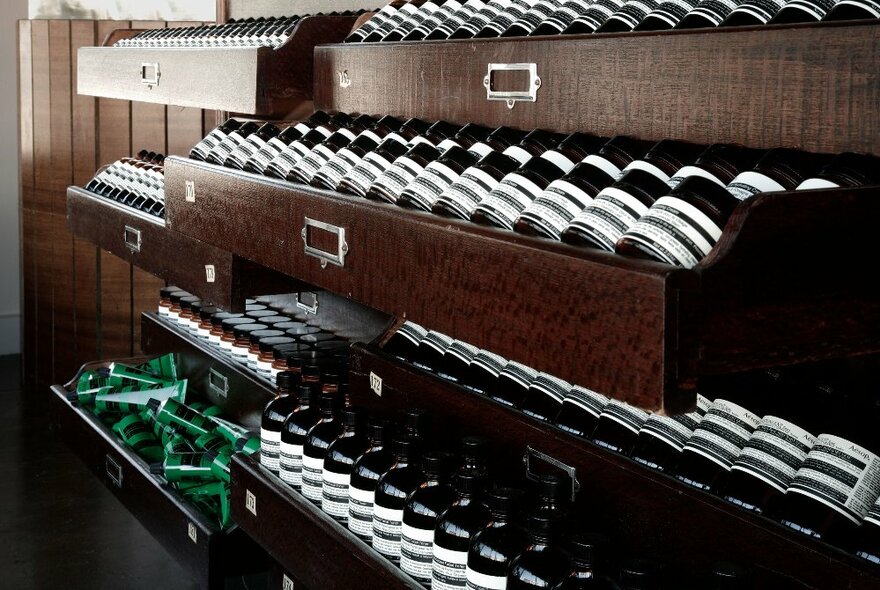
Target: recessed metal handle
311 308
218 383
114 470
511 97
150 73
568 469
338 257
132 238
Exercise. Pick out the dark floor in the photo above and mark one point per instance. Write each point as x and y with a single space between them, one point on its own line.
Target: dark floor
59 526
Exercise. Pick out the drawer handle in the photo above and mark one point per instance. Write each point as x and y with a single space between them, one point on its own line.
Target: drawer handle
310 308
568 469
132 238
218 382
511 97
338 257
150 73
114 470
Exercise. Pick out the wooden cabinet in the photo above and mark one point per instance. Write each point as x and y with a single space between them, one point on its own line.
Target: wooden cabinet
781 287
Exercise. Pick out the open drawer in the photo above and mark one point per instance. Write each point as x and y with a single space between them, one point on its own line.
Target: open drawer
262 80
147 242
189 536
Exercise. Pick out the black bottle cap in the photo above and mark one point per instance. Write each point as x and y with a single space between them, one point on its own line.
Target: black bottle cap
416 419
442 130
257 336
638 574
157 469
244 330
165 292
304 358
544 524
286 379
376 430
268 345
403 447
187 302
589 548
217 318
252 305
352 416
729 576
153 405
305 393
504 500
207 312
230 323
552 487
260 313
437 462
467 483
329 404
473 447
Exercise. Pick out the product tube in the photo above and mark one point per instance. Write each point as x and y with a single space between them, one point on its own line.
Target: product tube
135 401
173 412
184 467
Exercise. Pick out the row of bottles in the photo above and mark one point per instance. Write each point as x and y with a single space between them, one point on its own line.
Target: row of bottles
433 513
269 337
137 182
451 19
667 201
824 485
251 32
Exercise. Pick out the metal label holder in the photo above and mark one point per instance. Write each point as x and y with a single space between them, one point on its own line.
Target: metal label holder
218 382
336 258
511 97
532 453
150 74
132 238
114 470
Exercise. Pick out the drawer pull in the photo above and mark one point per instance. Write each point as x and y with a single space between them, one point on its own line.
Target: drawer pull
218 383
150 73
310 308
114 470
132 238
338 257
531 453
511 97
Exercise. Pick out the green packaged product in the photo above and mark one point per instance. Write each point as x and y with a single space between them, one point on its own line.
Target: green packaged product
220 465
184 467
213 443
164 366
136 400
136 434
171 411
206 409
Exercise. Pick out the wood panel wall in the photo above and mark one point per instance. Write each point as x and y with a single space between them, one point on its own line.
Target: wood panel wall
80 303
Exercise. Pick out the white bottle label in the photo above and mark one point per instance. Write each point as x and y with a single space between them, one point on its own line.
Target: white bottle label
624 414
560 160
775 452
427 187
448 569
478 581
239 353
587 400
607 218
339 165
603 165
518 154
214 339
334 495
869 6
226 345
312 477
290 464
749 184
646 166
264 367
519 373
508 199
676 231
362 176
675 430
398 176
464 195
840 475
270 449
873 515
387 523
203 333
816 183
687 171
412 332
360 512
722 433
556 207
417 552
815 9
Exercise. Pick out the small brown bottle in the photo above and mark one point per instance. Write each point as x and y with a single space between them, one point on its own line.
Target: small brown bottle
629 15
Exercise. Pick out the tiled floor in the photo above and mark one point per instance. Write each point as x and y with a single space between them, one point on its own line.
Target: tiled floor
59 526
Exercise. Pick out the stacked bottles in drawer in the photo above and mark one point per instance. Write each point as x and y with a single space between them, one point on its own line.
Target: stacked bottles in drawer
825 485
268 338
137 182
667 201
435 514
185 441
437 20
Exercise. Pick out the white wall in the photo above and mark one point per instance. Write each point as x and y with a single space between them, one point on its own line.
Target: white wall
10 275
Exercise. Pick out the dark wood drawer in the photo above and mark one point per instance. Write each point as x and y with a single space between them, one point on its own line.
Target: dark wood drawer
211 272
646 512
263 81
190 537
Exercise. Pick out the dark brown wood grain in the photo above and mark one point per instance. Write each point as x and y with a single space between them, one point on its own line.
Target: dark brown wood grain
645 512
244 80
330 558
810 86
211 557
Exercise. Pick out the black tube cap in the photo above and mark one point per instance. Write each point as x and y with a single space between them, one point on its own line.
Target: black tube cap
153 405
157 468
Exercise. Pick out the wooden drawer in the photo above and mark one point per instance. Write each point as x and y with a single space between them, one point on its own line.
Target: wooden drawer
190 537
646 512
211 272
263 81
318 552
813 86
769 294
